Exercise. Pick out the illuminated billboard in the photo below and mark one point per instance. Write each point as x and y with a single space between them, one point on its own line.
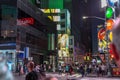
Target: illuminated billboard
63 43
102 42
54 18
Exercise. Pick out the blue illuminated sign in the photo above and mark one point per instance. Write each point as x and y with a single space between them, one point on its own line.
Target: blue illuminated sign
8 44
112 2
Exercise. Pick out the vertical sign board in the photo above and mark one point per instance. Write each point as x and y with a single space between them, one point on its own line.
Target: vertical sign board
26 50
53 42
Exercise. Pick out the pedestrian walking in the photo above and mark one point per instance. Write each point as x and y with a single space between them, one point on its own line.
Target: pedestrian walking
98 70
19 69
67 69
32 75
5 73
60 68
70 70
81 70
103 69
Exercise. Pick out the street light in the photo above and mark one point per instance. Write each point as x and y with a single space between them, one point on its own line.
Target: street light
94 17
85 17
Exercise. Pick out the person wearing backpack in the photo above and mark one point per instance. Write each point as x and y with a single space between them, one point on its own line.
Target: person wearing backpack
32 75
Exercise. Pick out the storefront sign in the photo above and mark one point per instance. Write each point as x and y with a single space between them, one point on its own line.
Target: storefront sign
8 44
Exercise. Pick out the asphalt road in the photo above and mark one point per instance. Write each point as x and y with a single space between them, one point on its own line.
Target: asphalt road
68 77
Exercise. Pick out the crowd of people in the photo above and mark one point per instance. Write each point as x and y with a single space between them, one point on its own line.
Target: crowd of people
98 69
84 69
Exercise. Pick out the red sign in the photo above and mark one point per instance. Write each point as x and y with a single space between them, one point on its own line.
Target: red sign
101 34
25 21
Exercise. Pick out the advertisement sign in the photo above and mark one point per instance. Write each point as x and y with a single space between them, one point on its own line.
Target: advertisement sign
25 21
63 45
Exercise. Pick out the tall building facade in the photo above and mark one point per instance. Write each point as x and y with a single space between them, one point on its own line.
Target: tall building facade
62 18
98 12
86 29
57 11
24 32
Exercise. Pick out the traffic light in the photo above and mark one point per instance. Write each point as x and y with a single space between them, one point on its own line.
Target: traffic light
109 12
115 5
109 17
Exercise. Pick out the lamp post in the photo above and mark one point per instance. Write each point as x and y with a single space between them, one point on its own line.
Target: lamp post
94 44
104 19
100 18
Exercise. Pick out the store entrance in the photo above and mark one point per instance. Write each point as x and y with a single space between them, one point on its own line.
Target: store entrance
10 58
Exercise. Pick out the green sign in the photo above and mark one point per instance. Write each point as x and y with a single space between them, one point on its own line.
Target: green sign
56 4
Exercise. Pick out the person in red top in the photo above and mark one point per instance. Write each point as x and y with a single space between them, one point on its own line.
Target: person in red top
115 45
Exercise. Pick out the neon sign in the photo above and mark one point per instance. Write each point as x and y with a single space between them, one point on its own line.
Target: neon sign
25 21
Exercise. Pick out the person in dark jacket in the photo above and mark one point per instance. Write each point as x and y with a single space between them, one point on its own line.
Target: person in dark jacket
81 69
32 75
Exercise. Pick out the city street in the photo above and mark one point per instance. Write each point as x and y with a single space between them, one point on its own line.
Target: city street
72 77
65 39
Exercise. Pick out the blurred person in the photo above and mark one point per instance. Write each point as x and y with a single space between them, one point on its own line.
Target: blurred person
50 68
97 70
32 75
51 78
115 45
60 68
70 70
90 68
103 67
81 70
44 67
5 74
22 70
19 68
85 68
25 68
37 68
67 69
